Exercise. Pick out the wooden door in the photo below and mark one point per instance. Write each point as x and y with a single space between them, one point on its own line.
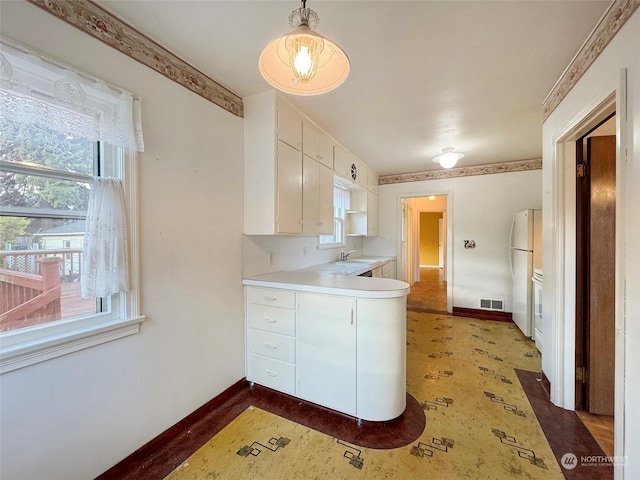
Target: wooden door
601 154
596 276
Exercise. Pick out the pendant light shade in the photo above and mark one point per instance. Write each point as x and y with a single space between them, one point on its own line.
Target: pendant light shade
448 158
304 62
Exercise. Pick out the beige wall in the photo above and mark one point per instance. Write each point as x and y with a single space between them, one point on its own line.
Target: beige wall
75 416
481 209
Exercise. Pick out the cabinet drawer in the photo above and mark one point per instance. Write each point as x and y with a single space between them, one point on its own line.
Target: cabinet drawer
271 373
273 345
271 296
271 319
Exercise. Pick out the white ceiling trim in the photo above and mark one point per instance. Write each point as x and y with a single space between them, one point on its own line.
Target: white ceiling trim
607 28
504 167
93 20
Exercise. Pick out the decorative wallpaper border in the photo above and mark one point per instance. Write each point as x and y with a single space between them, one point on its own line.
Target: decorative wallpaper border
97 22
505 167
616 16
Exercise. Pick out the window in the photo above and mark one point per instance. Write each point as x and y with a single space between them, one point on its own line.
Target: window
44 190
60 131
341 201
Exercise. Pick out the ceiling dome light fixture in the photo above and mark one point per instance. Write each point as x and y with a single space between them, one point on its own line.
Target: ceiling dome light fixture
304 62
448 158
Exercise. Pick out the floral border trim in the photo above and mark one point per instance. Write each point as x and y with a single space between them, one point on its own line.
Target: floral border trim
505 167
97 22
612 21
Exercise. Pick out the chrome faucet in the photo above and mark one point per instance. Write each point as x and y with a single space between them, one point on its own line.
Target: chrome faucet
345 256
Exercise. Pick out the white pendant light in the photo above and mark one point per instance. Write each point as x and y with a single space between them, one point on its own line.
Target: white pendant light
448 158
304 62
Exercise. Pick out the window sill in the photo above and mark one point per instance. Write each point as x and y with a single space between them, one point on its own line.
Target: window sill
35 351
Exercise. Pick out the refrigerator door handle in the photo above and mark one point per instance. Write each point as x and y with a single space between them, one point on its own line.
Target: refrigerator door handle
513 224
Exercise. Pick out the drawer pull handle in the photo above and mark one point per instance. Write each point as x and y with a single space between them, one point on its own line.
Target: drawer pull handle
270 373
271 346
270 320
270 297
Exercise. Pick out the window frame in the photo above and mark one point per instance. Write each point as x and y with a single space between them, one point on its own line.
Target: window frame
337 220
31 345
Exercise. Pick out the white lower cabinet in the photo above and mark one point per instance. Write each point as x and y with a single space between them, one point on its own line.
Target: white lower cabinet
326 351
270 318
271 373
381 359
342 352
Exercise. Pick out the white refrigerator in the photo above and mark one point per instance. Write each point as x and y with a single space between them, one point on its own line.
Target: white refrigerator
525 254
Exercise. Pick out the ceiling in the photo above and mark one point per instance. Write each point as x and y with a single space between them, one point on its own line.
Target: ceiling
424 74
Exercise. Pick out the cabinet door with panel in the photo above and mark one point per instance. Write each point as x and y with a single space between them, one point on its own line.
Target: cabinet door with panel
326 351
289 214
342 161
372 214
326 201
317 198
289 125
317 144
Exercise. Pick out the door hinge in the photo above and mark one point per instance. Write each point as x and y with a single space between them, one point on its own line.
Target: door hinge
582 375
581 170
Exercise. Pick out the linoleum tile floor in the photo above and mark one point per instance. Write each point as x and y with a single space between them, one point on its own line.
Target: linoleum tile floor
479 423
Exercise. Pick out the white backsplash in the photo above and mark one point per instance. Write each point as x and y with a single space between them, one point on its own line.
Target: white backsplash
288 252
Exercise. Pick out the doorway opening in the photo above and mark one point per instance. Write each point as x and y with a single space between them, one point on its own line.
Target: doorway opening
595 280
563 350
424 256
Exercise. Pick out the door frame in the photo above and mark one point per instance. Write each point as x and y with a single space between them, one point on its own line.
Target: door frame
561 324
401 244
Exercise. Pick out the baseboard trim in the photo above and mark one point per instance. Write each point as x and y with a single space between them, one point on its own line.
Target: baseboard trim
483 314
546 384
122 468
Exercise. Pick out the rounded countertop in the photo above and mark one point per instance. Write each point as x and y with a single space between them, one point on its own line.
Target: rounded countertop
308 280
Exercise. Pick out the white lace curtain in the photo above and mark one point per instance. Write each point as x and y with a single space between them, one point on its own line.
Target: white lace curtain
37 90
105 263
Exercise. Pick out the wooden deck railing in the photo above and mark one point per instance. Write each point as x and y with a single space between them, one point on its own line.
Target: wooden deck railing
28 299
25 261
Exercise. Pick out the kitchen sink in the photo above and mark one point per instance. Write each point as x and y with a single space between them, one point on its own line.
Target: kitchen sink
366 261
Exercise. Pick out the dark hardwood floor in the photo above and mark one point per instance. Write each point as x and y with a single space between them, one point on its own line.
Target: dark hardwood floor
430 293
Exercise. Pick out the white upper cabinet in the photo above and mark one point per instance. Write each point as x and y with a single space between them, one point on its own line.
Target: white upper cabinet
317 198
372 214
289 125
316 144
289 190
289 163
359 173
362 219
272 166
347 166
343 162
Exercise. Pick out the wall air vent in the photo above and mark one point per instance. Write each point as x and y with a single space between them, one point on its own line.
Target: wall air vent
489 304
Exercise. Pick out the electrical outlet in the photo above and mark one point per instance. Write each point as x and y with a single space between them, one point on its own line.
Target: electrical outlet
270 258
304 251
